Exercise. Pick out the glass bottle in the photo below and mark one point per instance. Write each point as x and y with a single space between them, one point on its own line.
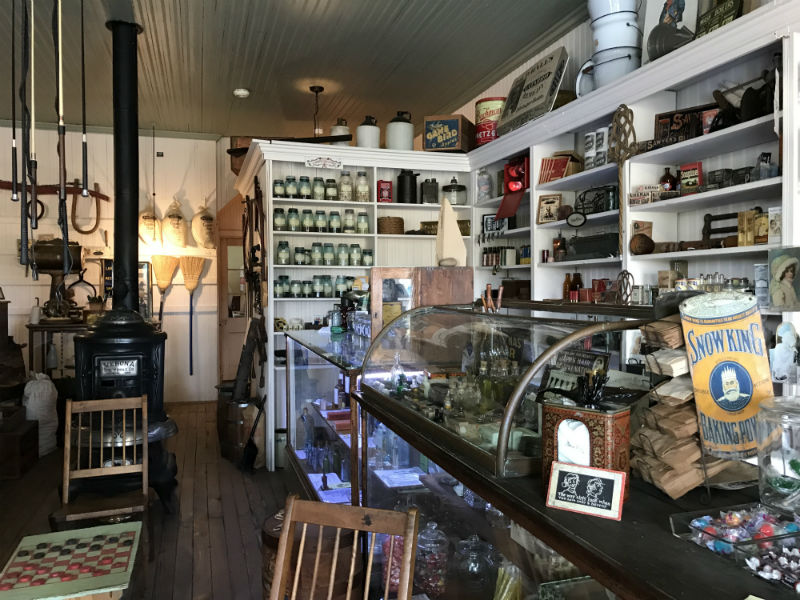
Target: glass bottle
355 255
667 182
296 288
277 288
474 568
283 253
331 190
575 287
299 255
484 185
278 189
350 281
397 371
362 223
316 253
362 187
304 187
430 570
328 255
349 221
321 221
285 284
307 289
566 287
341 286
278 219
318 188
327 286
293 220
307 221
345 187
334 222
342 255
291 187
366 258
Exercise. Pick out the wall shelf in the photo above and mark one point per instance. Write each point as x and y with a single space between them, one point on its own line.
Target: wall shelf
329 203
400 236
321 234
585 179
402 205
515 233
611 260
601 218
324 267
505 267
745 135
754 190
709 254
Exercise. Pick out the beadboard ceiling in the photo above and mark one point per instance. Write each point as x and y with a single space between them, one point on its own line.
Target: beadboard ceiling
372 56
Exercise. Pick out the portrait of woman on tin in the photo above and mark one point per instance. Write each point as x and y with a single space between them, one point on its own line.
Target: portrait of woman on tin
783 267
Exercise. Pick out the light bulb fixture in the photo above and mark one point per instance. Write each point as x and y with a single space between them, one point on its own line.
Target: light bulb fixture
316 90
241 92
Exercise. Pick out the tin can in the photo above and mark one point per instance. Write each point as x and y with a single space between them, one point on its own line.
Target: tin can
693 283
384 191
730 369
681 285
487 114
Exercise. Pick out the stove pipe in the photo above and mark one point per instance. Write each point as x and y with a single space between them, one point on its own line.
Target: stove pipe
126 164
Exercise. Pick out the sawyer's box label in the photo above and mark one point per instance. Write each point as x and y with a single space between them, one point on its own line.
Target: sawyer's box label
442 134
730 369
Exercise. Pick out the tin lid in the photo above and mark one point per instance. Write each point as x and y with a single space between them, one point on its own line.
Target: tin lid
717 305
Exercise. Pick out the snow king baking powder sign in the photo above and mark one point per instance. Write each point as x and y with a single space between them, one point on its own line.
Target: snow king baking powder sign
730 369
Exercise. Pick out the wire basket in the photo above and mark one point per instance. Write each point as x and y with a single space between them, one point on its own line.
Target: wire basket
391 225
432 227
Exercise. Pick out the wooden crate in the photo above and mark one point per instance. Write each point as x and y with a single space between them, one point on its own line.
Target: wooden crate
448 133
19 450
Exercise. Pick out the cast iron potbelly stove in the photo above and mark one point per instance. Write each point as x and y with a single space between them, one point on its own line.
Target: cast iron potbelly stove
122 355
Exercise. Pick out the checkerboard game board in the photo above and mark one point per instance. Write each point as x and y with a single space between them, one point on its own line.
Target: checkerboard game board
65 564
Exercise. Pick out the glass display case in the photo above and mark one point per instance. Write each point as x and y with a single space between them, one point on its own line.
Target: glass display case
477 381
322 372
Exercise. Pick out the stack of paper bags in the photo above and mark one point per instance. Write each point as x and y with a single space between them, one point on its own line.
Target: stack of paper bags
665 333
669 362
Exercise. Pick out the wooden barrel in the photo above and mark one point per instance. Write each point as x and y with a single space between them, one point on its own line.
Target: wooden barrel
232 428
270 537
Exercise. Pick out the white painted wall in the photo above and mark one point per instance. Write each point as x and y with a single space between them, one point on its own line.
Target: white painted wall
187 170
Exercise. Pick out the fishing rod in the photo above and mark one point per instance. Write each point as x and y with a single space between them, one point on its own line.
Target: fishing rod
23 199
14 196
85 152
33 212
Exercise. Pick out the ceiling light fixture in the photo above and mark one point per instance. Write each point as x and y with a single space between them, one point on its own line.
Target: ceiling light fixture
241 92
316 90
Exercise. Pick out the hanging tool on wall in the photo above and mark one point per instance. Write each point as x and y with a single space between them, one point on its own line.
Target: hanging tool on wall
192 269
84 152
23 93
33 209
75 189
14 197
254 249
62 169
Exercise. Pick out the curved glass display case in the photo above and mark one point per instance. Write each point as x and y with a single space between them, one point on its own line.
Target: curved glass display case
477 381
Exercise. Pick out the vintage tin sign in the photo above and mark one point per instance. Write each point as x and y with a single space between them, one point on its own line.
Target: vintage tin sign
730 369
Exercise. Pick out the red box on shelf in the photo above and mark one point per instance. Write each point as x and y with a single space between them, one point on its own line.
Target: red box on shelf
384 191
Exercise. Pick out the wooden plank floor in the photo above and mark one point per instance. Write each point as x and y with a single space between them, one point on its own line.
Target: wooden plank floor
210 548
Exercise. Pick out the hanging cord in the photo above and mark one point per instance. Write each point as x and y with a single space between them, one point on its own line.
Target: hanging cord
153 136
14 197
85 151
63 221
24 130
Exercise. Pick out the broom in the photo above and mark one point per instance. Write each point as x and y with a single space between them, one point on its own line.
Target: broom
192 267
164 268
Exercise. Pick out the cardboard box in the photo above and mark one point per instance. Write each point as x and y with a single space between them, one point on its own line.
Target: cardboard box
448 133
561 164
691 177
775 224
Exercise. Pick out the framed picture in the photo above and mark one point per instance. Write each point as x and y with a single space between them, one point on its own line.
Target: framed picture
491 225
668 25
783 282
548 208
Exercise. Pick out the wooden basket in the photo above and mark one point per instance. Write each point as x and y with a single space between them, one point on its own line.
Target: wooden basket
393 225
432 227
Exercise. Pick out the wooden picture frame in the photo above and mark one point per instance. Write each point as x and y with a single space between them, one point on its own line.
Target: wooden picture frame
548 208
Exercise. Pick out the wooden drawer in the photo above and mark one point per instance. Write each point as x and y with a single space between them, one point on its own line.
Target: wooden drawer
19 450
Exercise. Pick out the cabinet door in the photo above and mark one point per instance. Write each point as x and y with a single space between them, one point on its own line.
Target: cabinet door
231 306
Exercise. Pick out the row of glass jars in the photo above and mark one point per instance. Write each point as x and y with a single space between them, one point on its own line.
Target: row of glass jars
332 222
321 286
324 255
346 190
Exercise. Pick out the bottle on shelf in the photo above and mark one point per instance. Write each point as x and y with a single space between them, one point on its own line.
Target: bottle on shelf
345 187
362 187
575 287
566 288
667 182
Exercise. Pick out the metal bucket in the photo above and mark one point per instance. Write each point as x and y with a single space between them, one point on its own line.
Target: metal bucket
730 369
232 429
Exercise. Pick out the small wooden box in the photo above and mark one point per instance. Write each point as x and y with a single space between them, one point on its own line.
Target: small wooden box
19 450
448 133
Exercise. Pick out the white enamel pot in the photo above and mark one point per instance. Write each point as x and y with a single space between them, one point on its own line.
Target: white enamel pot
599 8
616 30
607 66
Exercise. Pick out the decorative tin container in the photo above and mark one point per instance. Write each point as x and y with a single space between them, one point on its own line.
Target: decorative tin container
384 191
487 114
586 436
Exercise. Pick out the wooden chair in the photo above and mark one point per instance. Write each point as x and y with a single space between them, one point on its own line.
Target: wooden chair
299 514
88 453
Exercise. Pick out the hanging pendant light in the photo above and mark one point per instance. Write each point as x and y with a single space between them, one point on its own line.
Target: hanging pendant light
316 90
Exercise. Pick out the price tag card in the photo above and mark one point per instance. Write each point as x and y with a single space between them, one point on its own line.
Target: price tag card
586 490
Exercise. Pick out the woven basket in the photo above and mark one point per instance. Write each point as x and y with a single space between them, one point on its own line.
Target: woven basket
432 227
393 225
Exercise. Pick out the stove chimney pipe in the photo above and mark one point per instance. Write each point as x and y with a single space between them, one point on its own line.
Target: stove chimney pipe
126 164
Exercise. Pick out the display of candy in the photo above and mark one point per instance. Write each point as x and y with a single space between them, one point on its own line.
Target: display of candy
721 534
431 573
777 565
395 550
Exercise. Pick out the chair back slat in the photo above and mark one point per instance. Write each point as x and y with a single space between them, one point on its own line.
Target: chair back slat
291 575
334 563
93 444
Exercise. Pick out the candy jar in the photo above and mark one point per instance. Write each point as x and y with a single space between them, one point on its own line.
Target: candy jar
318 188
278 190
345 187
362 187
307 220
362 223
285 284
349 221
327 286
331 190
299 255
355 255
304 187
296 288
283 254
307 289
321 221
293 219
475 569
278 219
334 222
317 286
366 258
328 255
291 187
316 254
430 571
779 452
341 286
342 255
